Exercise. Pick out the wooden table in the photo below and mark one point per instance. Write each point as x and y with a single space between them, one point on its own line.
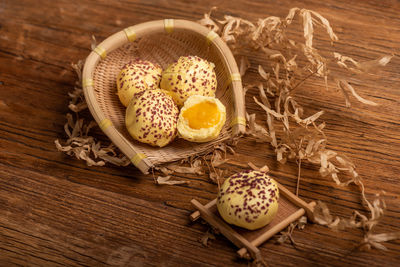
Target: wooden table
55 210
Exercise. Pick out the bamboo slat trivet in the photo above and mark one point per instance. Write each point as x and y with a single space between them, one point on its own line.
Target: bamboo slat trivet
291 208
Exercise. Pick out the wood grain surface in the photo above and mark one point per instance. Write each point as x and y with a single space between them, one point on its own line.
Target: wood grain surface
55 210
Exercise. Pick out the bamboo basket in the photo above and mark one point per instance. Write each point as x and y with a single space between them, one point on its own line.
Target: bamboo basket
162 42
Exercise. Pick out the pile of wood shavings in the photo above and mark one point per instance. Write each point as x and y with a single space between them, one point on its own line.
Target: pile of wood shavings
209 160
79 143
302 139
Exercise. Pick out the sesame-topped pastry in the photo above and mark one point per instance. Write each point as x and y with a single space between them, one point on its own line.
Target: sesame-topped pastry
189 75
248 199
151 118
135 77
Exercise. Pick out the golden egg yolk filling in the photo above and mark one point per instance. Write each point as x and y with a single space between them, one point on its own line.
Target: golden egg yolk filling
202 115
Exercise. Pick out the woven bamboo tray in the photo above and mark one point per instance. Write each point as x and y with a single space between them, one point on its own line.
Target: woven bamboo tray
290 209
162 42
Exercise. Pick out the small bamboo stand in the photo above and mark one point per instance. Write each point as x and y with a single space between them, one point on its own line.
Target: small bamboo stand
290 209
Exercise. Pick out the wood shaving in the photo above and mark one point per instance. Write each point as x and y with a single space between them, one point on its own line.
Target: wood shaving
207 237
287 235
166 180
344 85
363 67
178 168
260 262
284 236
244 66
256 131
255 168
302 222
208 22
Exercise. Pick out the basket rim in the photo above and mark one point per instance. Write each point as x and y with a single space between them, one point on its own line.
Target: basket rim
132 33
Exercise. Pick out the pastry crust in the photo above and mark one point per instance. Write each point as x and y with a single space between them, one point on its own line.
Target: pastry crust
248 199
190 75
152 117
